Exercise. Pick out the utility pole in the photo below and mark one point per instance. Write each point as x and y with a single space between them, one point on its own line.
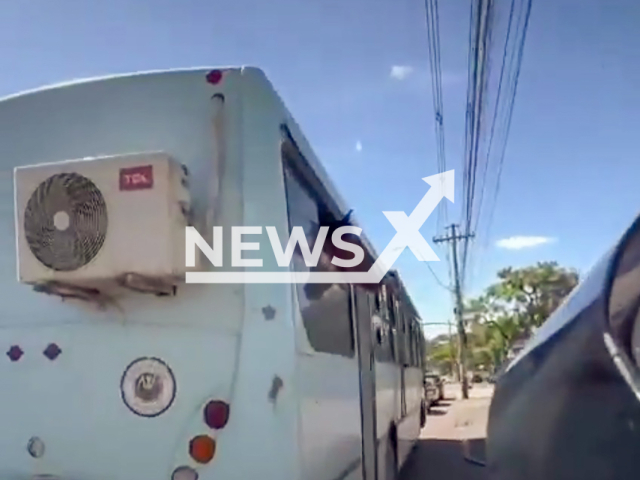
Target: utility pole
453 238
452 349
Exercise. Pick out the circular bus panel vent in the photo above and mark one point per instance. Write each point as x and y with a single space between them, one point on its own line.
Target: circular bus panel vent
65 222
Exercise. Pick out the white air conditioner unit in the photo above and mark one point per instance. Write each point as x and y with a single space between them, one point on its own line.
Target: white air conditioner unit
108 220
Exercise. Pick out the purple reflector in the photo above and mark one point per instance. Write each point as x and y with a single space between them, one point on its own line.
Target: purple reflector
14 353
52 351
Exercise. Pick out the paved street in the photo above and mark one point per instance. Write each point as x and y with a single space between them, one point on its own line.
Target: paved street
439 453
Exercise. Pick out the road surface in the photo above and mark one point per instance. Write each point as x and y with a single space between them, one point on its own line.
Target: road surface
439 452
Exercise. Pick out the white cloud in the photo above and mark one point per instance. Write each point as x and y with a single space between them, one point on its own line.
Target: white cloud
358 146
519 242
400 72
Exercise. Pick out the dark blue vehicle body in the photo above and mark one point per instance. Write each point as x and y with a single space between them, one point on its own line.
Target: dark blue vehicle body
568 407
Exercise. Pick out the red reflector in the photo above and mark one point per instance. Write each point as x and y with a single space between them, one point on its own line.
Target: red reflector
216 414
214 77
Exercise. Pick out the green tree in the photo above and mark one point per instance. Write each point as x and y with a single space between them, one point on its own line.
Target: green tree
520 301
441 355
509 310
531 294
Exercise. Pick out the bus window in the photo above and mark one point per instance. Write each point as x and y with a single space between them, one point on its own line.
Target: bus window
391 307
325 309
384 348
414 346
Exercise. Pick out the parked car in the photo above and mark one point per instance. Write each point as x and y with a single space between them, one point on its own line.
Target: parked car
430 392
438 384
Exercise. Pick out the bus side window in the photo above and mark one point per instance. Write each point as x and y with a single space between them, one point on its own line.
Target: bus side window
401 340
414 349
412 344
391 307
408 350
381 331
325 309
407 336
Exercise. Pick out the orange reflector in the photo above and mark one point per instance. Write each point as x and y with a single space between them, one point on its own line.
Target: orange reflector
202 448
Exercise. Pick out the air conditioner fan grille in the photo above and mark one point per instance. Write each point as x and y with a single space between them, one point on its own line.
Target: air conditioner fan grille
65 222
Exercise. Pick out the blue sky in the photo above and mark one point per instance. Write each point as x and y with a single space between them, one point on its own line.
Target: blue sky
572 165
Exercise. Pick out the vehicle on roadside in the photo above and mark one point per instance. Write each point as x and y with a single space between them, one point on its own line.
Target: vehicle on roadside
438 383
115 366
431 392
568 405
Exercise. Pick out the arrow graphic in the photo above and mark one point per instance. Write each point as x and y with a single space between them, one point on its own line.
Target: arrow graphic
408 228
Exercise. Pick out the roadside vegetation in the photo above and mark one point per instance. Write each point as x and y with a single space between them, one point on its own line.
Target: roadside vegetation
503 317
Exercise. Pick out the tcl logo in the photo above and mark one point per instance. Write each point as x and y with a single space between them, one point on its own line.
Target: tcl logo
136 178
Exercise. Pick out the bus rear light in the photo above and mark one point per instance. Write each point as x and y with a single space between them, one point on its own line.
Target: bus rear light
214 77
184 473
216 414
202 448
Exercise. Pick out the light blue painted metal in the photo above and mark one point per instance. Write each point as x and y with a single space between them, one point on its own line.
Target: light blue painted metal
287 421
73 403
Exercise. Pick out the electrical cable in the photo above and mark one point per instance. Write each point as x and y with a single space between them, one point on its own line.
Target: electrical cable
510 109
433 36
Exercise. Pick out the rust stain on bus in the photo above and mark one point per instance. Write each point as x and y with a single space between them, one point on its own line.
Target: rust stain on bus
276 386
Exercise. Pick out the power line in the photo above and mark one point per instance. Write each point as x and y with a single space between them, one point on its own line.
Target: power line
496 112
497 105
478 46
433 36
438 279
519 53
516 29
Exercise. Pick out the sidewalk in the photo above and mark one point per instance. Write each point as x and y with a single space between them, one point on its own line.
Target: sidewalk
439 453
460 419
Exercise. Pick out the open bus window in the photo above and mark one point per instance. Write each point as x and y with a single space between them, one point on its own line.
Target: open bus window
415 346
383 348
406 337
377 301
325 309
